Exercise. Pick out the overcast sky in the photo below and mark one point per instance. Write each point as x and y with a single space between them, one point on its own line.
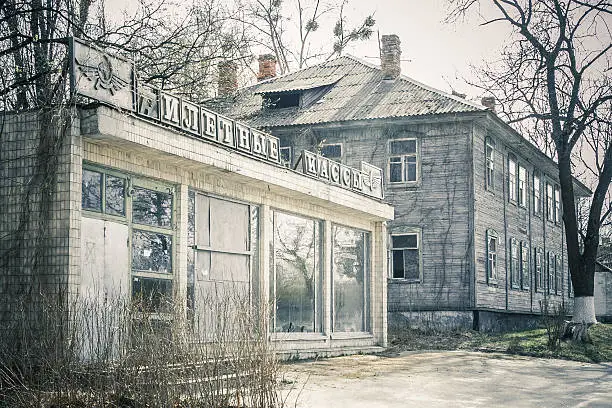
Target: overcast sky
439 53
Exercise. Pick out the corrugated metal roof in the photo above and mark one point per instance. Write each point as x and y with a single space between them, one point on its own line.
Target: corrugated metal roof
357 91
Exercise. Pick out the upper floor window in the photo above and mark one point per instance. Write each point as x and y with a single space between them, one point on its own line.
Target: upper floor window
285 156
522 186
403 160
332 151
537 195
491 255
405 256
281 100
549 202
490 163
511 178
557 200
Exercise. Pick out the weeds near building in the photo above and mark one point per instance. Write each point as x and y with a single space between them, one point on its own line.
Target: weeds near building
96 353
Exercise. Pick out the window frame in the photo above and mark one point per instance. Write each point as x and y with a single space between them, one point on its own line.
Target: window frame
489 164
537 197
286 163
522 186
557 204
491 273
525 265
104 171
549 202
339 158
402 158
515 264
539 263
367 278
417 233
512 178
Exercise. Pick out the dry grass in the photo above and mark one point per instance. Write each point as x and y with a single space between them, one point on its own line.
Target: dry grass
87 353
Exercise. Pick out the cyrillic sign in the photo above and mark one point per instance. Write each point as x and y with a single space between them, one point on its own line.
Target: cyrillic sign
113 80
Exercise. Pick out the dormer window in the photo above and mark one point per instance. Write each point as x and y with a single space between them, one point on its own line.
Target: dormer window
282 100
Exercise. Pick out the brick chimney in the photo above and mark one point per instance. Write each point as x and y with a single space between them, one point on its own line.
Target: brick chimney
488 102
267 67
228 78
390 53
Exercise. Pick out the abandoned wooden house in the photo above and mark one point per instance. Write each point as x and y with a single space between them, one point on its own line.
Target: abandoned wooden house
477 238
157 196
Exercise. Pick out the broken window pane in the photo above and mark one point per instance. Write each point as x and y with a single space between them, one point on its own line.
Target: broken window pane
152 295
115 195
91 190
151 252
296 252
349 274
151 207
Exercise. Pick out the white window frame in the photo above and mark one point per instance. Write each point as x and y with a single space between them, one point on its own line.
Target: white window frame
522 186
491 257
339 158
489 163
515 264
525 263
550 207
540 278
557 204
512 178
537 194
403 157
417 233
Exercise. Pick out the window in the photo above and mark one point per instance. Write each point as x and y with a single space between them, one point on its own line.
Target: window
491 256
515 273
295 279
511 178
103 192
522 186
539 273
281 100
490 164
524 265
570 286
405 256
549 202
152 252
550 267
558 276
403 161
537 195
332 151
350 276
285 156
557 210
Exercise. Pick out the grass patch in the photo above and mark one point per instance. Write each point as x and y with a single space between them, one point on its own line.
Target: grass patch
529 343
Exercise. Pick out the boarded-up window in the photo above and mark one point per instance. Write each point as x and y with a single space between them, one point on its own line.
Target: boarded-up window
223 242
350 272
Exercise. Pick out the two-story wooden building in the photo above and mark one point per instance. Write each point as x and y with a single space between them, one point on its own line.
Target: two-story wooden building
477 238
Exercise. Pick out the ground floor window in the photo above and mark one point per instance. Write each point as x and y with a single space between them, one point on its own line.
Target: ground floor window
491 251
515 273
350 272
405 263
296 273
540 276
525 278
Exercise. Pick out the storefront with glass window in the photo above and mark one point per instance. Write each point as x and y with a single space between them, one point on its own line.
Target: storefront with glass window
201 222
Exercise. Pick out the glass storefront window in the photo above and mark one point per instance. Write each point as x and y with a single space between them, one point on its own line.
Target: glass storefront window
350 272
297 249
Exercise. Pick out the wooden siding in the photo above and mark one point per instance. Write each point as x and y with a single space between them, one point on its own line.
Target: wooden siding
493 211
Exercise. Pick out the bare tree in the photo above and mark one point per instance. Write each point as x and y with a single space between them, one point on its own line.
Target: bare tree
275 23
554 82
